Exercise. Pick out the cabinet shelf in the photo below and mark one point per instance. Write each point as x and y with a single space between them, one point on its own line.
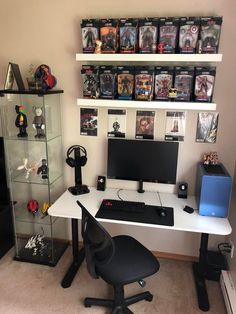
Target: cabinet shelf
136 57
113 103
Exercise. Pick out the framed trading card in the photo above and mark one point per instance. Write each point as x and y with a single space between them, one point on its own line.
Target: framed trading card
175 126
207 125
116 123
145 124
88 121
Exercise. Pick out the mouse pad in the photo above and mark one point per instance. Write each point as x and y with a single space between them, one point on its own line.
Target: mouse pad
150 215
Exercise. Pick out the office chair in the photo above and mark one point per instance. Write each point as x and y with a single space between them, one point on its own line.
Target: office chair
118 260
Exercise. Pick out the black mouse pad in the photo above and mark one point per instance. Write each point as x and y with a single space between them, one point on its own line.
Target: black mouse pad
151 215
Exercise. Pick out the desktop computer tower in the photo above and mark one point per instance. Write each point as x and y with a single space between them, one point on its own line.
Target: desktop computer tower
213 190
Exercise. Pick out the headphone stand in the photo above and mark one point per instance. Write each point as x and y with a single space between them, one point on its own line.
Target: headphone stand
78 189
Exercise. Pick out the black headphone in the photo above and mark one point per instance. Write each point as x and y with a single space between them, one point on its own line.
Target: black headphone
79 162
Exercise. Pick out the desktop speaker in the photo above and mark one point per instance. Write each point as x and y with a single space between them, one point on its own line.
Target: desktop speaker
101 183
183 190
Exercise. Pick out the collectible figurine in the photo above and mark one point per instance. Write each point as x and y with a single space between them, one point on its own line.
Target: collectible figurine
43 74
32 206
98 48
43 169
28 168
89 37
21 121
39 123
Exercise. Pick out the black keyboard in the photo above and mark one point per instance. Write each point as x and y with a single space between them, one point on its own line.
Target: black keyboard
125 206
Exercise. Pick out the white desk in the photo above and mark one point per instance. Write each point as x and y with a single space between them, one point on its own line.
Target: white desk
67 207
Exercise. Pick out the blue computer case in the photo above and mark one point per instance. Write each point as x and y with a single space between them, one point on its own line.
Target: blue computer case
213 190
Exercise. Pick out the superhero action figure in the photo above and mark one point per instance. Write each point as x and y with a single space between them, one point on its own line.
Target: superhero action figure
125 86
110 40
89 36
147 39
21 121
39 123
43 169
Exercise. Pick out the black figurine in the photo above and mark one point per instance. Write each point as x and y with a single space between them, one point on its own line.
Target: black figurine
43 169
21 121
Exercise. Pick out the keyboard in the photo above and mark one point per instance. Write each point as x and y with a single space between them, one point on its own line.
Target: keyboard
125 206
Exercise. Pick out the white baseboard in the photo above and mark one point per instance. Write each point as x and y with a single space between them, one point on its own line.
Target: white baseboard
228 291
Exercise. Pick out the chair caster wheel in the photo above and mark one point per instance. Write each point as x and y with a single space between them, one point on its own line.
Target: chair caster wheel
149 298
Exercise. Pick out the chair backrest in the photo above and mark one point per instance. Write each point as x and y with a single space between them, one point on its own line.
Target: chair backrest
98 244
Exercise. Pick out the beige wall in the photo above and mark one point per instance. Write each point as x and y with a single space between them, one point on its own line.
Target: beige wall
37 32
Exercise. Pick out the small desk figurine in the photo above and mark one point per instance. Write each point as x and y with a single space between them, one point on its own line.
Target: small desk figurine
43 169
21 121
210 158
39 122
98 48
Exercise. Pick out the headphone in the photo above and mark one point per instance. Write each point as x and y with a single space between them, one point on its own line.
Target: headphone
81 161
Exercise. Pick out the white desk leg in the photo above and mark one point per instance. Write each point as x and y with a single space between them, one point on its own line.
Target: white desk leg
78 256
199 271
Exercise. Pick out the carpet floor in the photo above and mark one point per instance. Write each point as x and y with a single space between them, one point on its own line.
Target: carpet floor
35 289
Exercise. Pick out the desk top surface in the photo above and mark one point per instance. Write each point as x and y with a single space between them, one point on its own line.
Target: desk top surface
65 206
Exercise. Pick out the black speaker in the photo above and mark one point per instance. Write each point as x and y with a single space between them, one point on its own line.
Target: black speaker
101 183
81 160
183 190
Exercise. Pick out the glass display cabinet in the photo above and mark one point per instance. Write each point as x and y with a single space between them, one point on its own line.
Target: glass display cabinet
33 147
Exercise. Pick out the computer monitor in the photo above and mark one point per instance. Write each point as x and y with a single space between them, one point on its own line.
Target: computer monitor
142 160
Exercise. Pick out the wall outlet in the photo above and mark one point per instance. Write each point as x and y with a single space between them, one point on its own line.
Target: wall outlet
232 249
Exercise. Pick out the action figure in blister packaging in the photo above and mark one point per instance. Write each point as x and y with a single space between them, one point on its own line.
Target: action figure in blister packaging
144 78
148 29
107 82
163 82
125 81
128 35
204 84
184 83
109 35
168 34
188 34
89 35
90 76
210 34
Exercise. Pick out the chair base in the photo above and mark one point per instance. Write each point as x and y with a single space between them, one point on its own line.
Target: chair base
119 304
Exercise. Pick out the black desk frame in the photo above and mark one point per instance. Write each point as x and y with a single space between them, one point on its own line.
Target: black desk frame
199 268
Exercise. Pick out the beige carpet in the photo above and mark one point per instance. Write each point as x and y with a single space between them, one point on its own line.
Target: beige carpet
35 289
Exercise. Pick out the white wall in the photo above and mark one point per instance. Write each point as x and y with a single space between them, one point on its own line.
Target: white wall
37 32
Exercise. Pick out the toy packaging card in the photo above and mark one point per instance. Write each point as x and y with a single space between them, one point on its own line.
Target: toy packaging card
210 34
184 83
148 32
88 121
90 33
207 125
125 81
144 83
204 83
90 78
163 82
168 34
128 35
107 78
145 124
188 34
175 125
116 122
109 35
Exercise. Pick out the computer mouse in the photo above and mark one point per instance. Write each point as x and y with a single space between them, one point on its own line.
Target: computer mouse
162 212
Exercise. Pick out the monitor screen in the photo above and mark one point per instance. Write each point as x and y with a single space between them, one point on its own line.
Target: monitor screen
142 160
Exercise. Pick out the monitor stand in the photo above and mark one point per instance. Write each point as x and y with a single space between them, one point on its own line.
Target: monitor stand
140 187
79 188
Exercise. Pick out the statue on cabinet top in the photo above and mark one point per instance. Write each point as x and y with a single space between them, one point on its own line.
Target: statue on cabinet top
43 74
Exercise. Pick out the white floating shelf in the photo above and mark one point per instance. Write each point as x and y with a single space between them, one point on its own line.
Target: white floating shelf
136 57
114 103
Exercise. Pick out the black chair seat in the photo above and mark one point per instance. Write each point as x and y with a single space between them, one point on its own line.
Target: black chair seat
130 262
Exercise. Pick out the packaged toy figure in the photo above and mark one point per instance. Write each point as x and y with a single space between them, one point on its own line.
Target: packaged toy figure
163 82
21 121
128 35
125 80
90 77
107 77
188 34
210 34
144 82
109 35
168 34
90 31
204 84
184 83
148 31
